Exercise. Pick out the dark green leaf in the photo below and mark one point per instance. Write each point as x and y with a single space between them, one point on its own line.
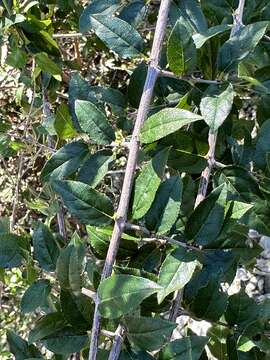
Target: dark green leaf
94 122
121 294
240 45
87 204
20 348
147 183
216 105
166 206
188 348
117 34
148 333
36 296
65 341
95 168
186 162
46 326
166 122
13 250
46 250
181 51
262 146
175 272
134 12
65 161
206 221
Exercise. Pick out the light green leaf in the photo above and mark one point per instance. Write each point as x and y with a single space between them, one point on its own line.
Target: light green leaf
166 122
148 333
36 296
175 272
240 45
166 206
17 58
84 202
65 161
69 268
216 105
63 123
181 50
121 294
201 38
47 65
95 168
46 250
94 122
188 348
147 183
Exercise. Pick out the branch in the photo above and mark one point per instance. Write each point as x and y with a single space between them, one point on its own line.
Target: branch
121 214
238 18
117 344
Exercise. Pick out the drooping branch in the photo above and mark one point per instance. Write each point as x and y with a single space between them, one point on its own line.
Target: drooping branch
121 214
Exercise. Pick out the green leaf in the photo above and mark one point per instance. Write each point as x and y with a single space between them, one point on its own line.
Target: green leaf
166 122
65 161
186 162
134 12
181 50
17 58
63 123
175 272
20 348
69 268
189 11
94 122
117 34
201 38
166 206
148 333
46 326
216 105
46 250
188 348
106 7
77 310
240 45
84 202
47 65
206 221
147 183
121 294
95 168
13 250
99 238
36 296
262 146
241 310
210 301
65 341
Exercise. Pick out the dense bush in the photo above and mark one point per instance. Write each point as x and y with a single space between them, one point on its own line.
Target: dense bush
146 139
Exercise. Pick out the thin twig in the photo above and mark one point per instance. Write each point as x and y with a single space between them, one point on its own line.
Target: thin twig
122 211
47 112
117 344
238 18
192 79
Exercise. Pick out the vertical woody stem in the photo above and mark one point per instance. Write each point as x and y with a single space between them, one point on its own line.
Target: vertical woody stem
121 214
